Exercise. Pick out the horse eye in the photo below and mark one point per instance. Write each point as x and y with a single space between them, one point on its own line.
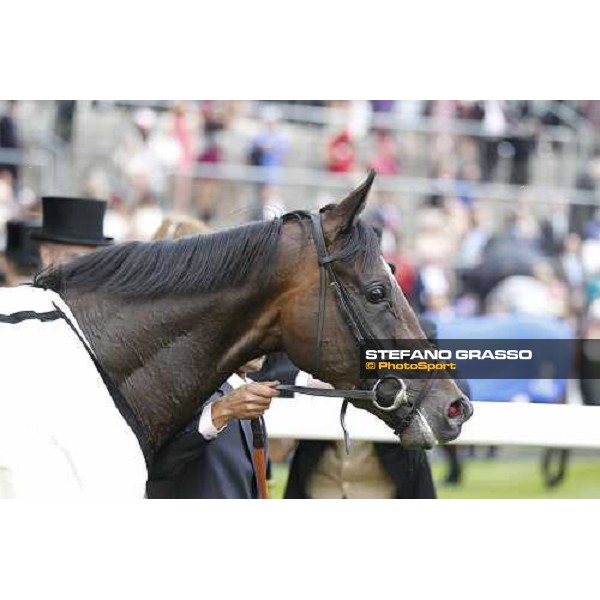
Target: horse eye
376 294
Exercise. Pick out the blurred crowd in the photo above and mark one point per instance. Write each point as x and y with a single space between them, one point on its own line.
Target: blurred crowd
456 251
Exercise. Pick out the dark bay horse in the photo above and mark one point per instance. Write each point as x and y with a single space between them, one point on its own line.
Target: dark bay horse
169 321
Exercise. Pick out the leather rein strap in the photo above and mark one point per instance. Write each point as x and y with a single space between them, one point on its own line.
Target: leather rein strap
329 393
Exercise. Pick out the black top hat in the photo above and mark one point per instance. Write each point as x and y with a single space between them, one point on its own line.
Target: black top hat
21 248
73 221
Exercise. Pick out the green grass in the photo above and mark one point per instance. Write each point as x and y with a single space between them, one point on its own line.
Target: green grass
515 474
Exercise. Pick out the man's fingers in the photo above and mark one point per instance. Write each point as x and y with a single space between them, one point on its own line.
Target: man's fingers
259 401
255 410
267 390
271 383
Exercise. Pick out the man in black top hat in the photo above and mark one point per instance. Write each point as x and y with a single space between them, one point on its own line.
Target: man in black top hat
70 227
22 252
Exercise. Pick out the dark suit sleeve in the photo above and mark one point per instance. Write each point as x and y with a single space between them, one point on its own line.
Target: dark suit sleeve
172 457
189 444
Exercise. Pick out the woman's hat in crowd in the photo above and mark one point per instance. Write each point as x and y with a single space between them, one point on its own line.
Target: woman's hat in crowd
21 249
78 221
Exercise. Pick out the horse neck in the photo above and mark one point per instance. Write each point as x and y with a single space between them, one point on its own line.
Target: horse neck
169 355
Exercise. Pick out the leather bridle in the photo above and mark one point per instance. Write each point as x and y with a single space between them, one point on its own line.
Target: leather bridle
389 393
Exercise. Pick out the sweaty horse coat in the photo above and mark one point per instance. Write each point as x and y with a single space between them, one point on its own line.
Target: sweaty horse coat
61 434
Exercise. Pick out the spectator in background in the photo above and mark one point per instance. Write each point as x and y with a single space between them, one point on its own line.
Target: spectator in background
435 247
444 141
381 108
7 204
22 252
65 119
185 156
524 128
495 124
118 220
583 210
511 129
9 140
144 160
147 217
470 251
385 161
206 188
540 293
386 214
70 228
270 206
588 356
267 150
213 122
269 147
466 184
554 227
509 252
402 268
443 174
340 154
571 270
175 227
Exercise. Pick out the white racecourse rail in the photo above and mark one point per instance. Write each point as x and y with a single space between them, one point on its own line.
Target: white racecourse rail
501 423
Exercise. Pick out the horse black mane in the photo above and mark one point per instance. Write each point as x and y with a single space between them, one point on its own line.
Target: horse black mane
192 264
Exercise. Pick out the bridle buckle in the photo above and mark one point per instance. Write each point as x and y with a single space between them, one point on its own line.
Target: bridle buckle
400 396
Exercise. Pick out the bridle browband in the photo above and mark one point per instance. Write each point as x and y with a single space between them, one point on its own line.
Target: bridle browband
398 398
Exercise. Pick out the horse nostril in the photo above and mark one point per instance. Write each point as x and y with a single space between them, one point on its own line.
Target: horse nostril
456 409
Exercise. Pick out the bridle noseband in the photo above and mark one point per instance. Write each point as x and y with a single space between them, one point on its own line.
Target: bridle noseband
389 393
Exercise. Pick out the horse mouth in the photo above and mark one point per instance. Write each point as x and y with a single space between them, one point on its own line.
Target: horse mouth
419 434
430 439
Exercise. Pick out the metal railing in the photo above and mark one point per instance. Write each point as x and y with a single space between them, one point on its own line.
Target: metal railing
236 193
398 184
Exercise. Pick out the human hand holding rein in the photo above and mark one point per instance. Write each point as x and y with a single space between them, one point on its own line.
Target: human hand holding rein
247 402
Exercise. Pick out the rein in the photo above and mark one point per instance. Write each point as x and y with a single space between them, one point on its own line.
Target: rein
392 396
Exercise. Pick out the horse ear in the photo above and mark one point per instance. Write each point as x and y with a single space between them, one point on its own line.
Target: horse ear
342 216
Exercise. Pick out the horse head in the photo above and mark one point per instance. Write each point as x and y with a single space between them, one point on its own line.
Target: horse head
339 291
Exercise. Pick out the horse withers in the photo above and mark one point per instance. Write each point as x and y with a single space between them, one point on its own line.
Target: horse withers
169 321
